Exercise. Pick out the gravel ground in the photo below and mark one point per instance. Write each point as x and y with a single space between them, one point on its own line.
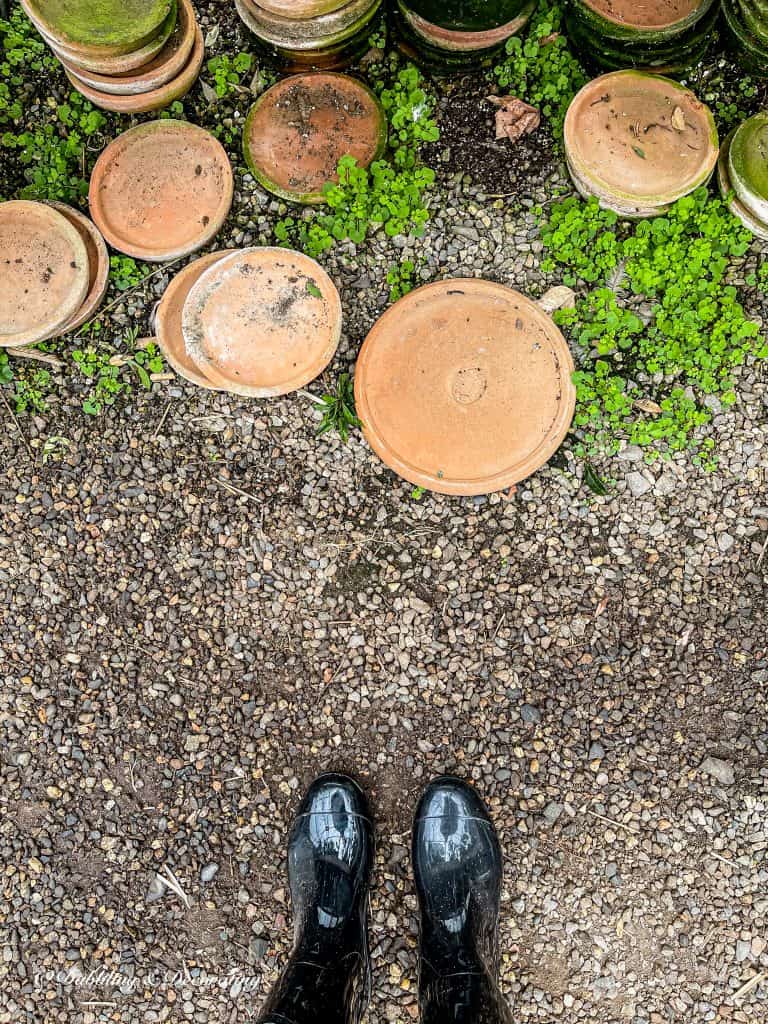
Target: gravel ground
204 606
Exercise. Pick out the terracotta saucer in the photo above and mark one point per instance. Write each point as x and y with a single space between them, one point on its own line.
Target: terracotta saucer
107 28
98 266
154 99
458 40
302 10
168 318
44 271
162 68
748 164
298 130
653 14
161 190
640 139
310 34
758 228
116 65
262 322
464 387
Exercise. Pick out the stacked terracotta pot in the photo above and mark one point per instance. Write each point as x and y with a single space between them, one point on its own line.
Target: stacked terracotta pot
255 322
639 142
743 173
306 34
55 271
125 57
659 35
456 35
746 23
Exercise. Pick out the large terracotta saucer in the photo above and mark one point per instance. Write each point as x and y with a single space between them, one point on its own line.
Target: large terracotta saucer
103 28
120 63
464 387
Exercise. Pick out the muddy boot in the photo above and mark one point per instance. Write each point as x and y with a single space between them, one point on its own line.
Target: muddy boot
457 866
330 856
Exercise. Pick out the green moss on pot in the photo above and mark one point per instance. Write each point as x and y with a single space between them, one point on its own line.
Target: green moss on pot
467 15
119 25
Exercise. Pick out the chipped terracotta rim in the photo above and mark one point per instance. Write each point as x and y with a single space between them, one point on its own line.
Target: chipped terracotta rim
758 228
169 61
467 487
639 32
154 99
116 147
100 281
182 284
593 180
122 64
96 49
317 34
56 221
755 202
453 39
263 176
310 371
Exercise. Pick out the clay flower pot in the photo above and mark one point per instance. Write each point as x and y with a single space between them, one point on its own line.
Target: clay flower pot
464 387
45 272
108 28
156 72
639 142
297 131
459 36
153 99
758 228
98 267
168 330
748 165
262 322
161 190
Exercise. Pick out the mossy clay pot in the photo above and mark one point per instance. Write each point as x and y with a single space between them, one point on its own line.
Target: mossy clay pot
297 131
653 21
45 272
755 19
154 99
302 10
758 228
466 15
751 52
160 69
103 27
168 315
637 140
455 40
464 387
262 322
161 190
748 165
317 33
98 266
121 64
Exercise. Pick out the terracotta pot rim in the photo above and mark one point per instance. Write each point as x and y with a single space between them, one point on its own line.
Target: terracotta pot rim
99 49
121 64
303 376
283 33
465 486
591 175
153 99
168 62
160 255
263 176
677 24
453 39
58 223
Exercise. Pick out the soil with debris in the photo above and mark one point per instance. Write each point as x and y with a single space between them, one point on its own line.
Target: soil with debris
204 605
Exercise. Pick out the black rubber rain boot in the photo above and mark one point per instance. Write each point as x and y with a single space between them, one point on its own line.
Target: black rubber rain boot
458 868
330 857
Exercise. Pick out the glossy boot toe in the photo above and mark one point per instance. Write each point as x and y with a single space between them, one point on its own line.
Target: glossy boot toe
330 857
458 870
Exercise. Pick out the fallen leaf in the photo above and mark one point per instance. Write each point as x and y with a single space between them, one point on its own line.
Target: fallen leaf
646 405
678 119
514 117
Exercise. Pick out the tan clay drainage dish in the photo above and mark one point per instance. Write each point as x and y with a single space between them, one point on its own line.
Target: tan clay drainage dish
168 317
639 142
153 99
161 190
162 68
297 132
98 266
262 322
464 387
44 272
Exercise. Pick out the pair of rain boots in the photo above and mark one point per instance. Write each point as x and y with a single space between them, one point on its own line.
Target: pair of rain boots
457 867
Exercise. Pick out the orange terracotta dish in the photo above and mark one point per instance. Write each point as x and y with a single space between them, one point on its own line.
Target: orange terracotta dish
262 322
44 272
98 266
464 387
161 190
